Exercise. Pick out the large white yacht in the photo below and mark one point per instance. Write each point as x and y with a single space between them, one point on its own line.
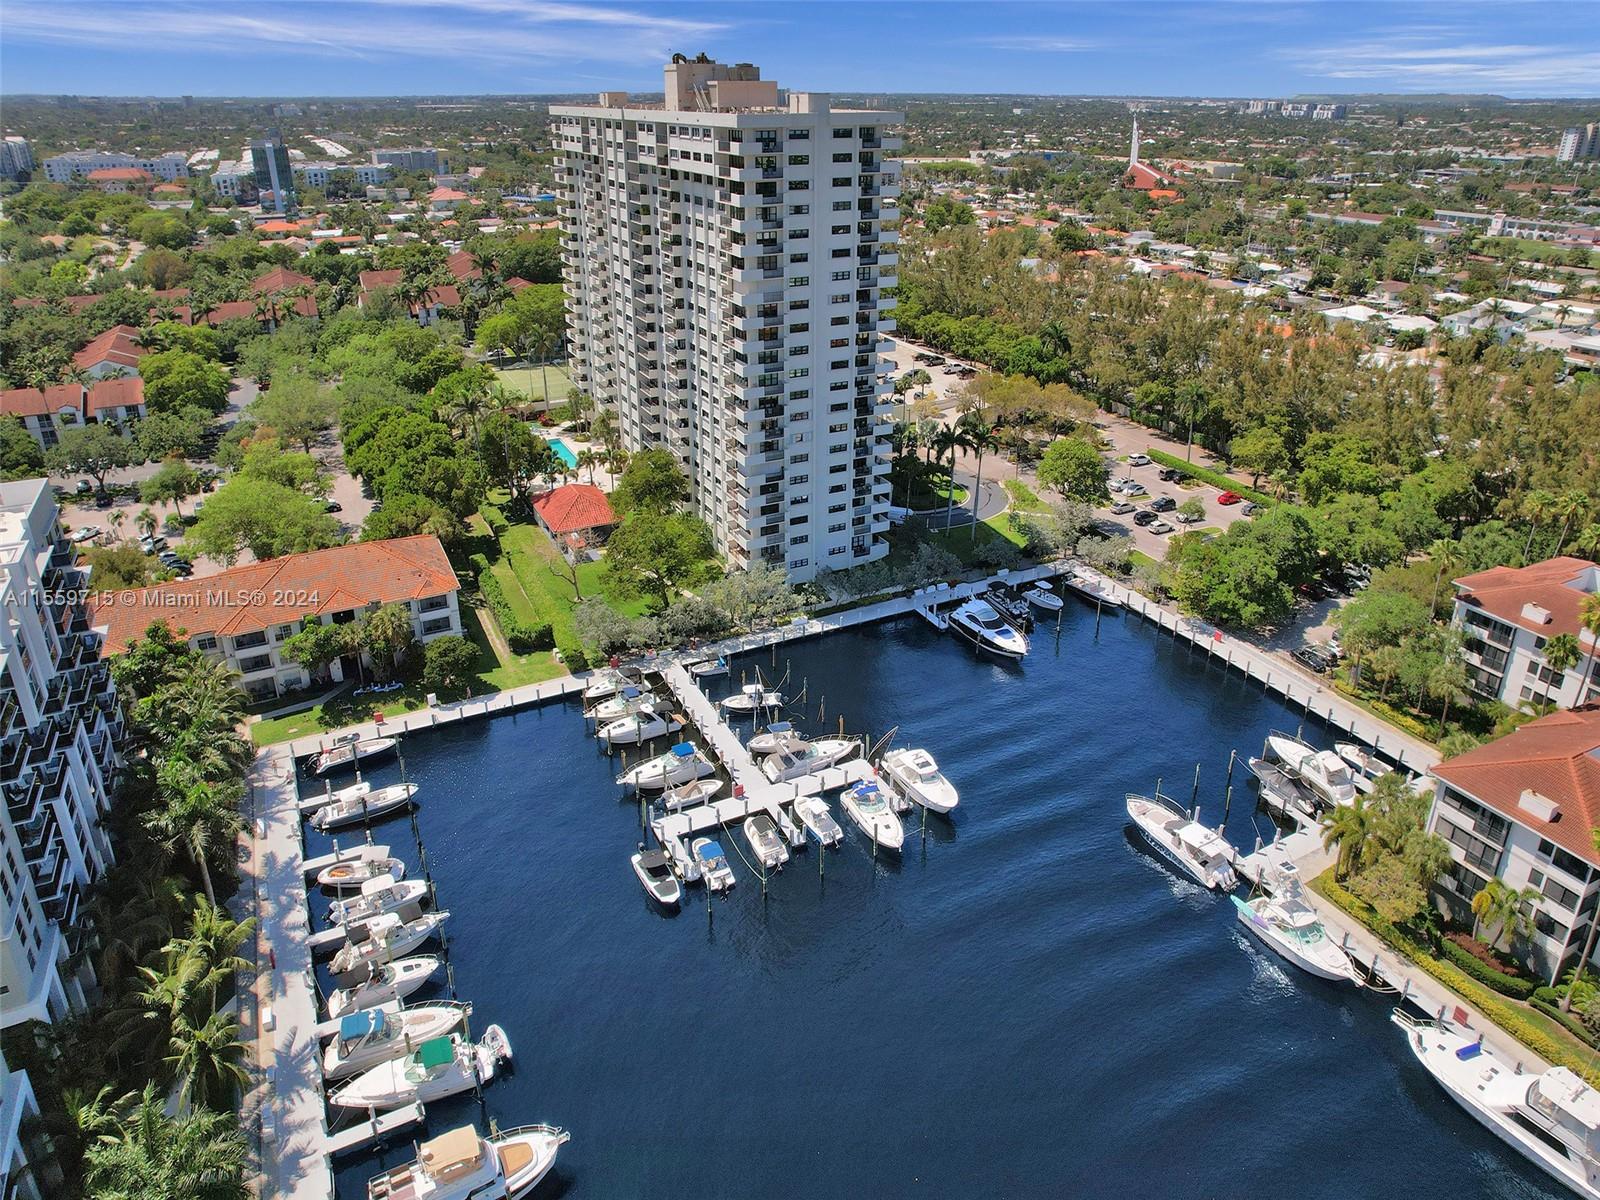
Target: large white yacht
462 1165
1552 1119
372 1036
679 765
978 622
1202 854
916 775
795 756
1288 923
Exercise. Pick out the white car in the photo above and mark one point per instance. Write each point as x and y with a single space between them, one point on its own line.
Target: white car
1159 527
1138 460
1120 508
86 534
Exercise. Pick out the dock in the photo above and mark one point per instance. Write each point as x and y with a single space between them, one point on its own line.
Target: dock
375 1127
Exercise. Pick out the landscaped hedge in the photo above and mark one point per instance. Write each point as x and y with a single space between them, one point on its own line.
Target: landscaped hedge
522 637
1207 475
1506 985
495 519
574 658
1420 730
1548 1001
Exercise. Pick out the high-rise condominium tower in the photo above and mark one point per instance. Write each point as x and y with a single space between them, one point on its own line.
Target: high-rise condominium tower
725 258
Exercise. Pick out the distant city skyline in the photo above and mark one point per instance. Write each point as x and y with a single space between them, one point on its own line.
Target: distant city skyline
1230 48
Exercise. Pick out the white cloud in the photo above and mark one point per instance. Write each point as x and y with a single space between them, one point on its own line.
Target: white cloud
1037 43
1423 63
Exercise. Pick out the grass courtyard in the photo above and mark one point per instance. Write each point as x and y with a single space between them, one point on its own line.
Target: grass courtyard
549 382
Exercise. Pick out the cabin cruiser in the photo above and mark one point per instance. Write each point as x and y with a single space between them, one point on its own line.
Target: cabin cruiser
980 624
652 721
390 981
350 751
1200 853
1042 595
1552 1119
1011 607
462 1165
812 812
1328 775
383 940
1365 763
316 800
866 805
1092 589
688 795
762 835
654 870
679 765
354 874
444 1066
751 697
610 681
795 757
713 863
625 703
372 1036
771 738
916 775
363 807
1287 922
709 668
1283 791
379 896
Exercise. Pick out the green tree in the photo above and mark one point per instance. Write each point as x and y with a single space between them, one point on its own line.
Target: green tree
173 483
652 485
207 1061
1075 469
164 434
1193 509
152 1156
92 450
1377 618
532 321
197 814
981 439
1504 909
1350 827
266 518
387 636
449 664
1261 452
118 566
20 455
655 553
298 408
316 645
177 379
512 456
1561 654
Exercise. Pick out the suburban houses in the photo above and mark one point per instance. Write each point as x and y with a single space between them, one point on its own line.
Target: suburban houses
45 412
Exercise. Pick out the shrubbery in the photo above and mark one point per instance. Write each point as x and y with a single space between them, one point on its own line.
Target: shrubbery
523 637
1506 985
1207 475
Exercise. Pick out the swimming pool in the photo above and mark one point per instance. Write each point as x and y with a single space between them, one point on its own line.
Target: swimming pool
563 451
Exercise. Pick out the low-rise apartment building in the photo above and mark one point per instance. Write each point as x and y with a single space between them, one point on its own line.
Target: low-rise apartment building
244 615
1523 809
46 412
1509 615
63 167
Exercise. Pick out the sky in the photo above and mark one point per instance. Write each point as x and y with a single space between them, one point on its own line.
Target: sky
1546 48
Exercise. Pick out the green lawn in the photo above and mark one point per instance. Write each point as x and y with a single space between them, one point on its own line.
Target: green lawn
528 557
1023 497
1136 557
532 382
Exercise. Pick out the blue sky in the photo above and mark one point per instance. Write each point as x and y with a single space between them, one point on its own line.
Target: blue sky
1110 47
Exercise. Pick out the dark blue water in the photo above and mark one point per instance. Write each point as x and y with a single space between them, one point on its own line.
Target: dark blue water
1026 1005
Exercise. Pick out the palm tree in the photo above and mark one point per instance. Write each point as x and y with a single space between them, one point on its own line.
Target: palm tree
1446 680
981 440
213 943
196 814
147 521
1569 505
207 1061
1538 505
948 441
1446 556
1588 942
1587 539
1386 663
1561 654
1351 827
1505 909
1589 619
115 519
589 459
265 311
198 1156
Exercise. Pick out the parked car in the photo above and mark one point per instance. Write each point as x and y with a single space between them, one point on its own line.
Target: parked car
1251 508
1312 590
1312 659
86 534
1159 526
929 360
151 544
1138 460
952 369
102 500
1229 498
1163 504
1121 507
1187 518
1145 517
1171 474
85 487
335 506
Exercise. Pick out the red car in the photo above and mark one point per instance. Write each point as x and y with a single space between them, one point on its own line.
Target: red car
1229 498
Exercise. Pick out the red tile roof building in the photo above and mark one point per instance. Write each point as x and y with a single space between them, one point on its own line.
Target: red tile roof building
1509 615
112 353
574 508
44 414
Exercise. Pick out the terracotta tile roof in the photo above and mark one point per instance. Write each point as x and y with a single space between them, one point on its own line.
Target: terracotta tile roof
127 174
31 402
115 345
232 310
1142 177
1558 757
445 295
1557 585
460 265
440 194
516 283
377 279
127 392
280 279
575 507
256 597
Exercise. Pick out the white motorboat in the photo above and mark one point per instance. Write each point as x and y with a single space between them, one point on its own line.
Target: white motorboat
390 981
1288 750
796 757
978 622
1042 595
1090 588
763 837
1283 791
363 807
1552 1119
752 697
353 875
916 775
1363 760
1200 853
372 1036
645 725
1328 775
350 752
688 795
379 896
770 738
331 795
709 668
383 941
462 1165
866 805
1288 923
626 702
445 1066
715 872
681 764
610 681
359 852
654 870
813 813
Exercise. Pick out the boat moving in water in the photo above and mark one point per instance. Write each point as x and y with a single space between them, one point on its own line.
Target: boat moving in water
979 623
768 847
1286 921
1200 853
1551 1119
866 805
812 812
351 751
916 775
445 1066
715 872
389 981
681 764
462 1165
654 870
368 1038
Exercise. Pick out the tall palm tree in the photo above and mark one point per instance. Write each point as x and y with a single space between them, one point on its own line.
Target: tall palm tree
948 441
589 460
1446 556
981 440
1506 910
1538 505
1561 654
147 521
1569 504
1350 827
115 519
195 814
213 943
207 1061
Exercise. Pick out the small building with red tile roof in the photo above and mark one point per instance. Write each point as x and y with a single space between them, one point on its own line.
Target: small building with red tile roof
1523 808
279 279
1142 177
443 199
1509 615
120 179
46 413
579 509
243 615
118 402
114 352
424 311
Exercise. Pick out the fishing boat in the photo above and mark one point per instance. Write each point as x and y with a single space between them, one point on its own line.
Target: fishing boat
351 876
812 812
349 752
330 795
1283 791
768 847
713 863
1328 775
372 1036
709 668
1286 921
916 775
609 681
1090 588
688 795
390 981
463 1165
770 738
1013 609
796 757
648 723
1042 595
383 941
866 805
752 697
1200 853
654 870
1363 760
445 1066
679 765
1288 750
978 622
1552 1119
629 700
363 807
378 897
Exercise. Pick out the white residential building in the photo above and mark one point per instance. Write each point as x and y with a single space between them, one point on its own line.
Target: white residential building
1579 143
16 157
59 734
27 1169
725 257
1509 615
317 174
63 167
